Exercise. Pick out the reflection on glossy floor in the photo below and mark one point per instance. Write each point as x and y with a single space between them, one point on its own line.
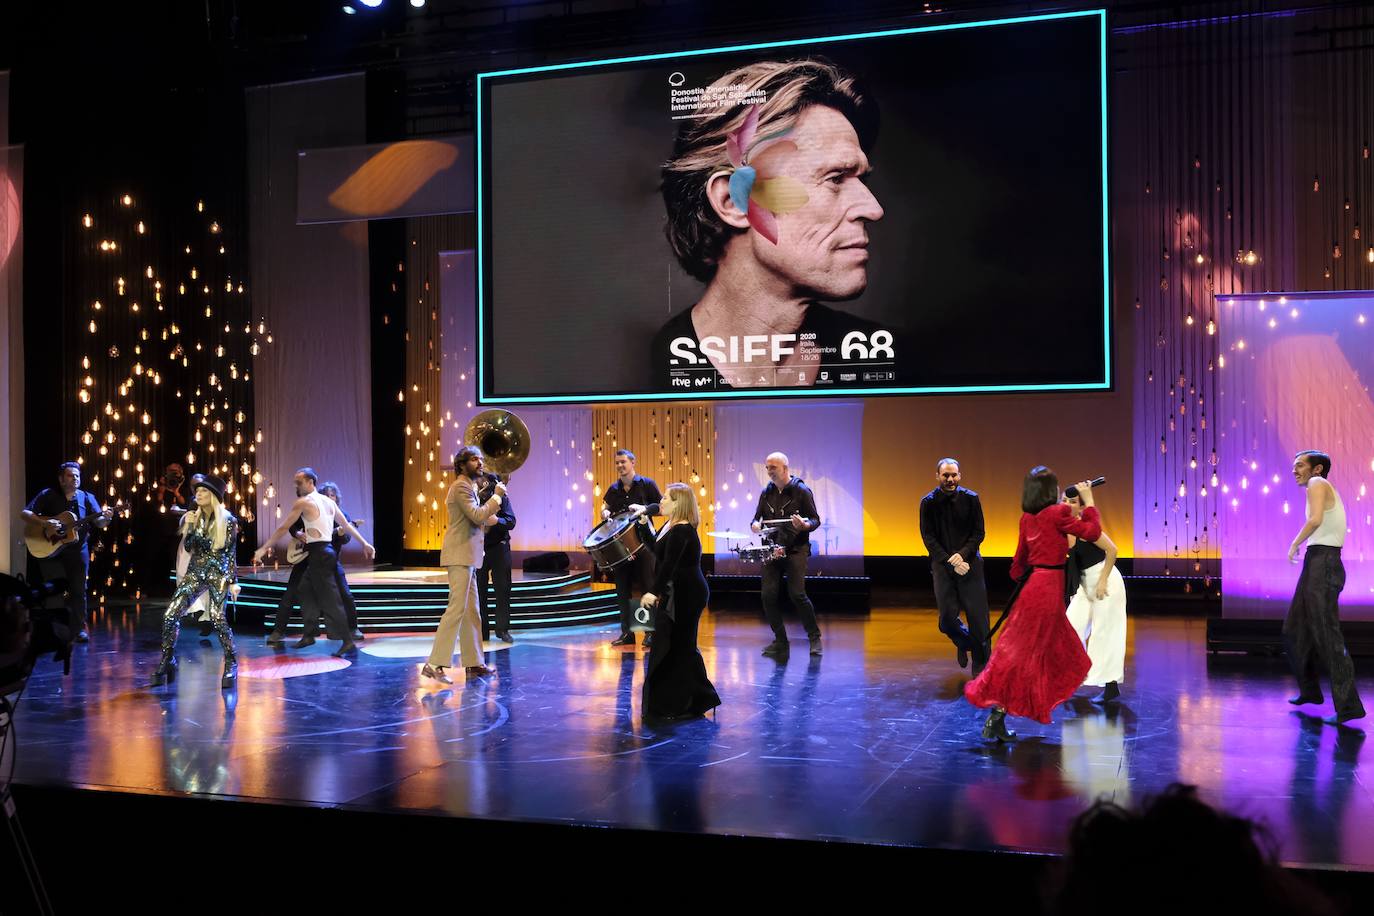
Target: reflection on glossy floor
871 743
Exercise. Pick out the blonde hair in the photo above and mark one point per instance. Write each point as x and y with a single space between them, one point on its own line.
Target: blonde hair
695 232
684 509
215 525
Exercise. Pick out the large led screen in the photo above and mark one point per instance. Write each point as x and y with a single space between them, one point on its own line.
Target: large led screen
910 211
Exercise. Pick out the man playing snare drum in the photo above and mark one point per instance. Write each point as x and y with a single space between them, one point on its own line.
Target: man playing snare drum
638 495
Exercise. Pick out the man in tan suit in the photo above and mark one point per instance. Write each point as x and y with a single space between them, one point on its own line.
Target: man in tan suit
461 554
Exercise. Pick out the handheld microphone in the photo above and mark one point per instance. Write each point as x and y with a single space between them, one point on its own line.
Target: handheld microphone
1096 482
644 620
488 487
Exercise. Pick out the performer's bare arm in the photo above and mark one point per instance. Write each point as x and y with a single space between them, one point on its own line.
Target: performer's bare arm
368 550
1108 547
287 521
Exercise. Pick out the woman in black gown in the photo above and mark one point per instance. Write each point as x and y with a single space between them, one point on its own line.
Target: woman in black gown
676 685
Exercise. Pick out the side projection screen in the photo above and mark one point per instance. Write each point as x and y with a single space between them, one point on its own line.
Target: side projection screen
900 212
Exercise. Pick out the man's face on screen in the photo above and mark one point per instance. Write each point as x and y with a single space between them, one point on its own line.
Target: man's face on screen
822 249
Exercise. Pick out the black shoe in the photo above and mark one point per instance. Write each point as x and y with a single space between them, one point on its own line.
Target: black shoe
816 646
349 649
304 642
1110 694
276 637
625 639
231 673
996 726
504 636
207 629
778 648
961 654
83 636
1342 718
166 672
1303 699
356 635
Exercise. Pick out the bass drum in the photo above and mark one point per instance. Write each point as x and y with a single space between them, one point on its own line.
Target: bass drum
615 541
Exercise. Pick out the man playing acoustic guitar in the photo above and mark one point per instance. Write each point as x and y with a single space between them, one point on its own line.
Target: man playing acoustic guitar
60 517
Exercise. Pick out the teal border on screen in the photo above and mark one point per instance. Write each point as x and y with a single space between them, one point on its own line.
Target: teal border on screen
484 397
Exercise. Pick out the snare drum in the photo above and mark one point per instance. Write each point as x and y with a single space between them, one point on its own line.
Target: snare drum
755 554
616 540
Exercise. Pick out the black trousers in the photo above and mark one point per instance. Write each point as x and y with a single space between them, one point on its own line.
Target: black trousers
310 612
71 564
1312 631
793 566
496 568
288 599
967 593
636 575
346 595
321 595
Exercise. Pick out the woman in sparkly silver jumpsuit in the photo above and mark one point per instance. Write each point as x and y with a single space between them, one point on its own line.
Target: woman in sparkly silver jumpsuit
210 535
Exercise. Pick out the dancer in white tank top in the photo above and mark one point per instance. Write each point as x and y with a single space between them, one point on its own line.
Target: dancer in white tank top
1312 629
321 527
320 586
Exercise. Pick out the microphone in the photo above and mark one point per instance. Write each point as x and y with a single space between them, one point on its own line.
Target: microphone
1096 482
488 487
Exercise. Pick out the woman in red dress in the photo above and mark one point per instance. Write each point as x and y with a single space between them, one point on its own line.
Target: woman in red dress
1039 660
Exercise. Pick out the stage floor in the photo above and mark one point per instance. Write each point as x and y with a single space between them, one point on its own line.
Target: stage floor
872 743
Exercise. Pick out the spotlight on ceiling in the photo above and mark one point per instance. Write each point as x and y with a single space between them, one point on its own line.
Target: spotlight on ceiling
349 10
418 4
371 4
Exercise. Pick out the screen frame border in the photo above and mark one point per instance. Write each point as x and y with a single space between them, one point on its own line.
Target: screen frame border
485 80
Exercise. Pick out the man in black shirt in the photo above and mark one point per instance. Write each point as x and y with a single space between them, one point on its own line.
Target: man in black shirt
73 561
639 495
310 609
496 560
952 528
787 497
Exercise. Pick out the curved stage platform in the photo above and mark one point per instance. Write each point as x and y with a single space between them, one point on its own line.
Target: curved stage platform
870 744
413 598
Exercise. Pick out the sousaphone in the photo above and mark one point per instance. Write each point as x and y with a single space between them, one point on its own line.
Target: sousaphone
503 438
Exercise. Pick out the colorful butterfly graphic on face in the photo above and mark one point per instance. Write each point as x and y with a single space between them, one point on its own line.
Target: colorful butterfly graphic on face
755 189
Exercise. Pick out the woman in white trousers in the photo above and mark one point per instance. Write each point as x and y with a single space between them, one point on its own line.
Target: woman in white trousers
1097 607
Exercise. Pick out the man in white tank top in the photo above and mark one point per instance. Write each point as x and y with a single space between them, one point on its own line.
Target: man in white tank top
320 515
1312 629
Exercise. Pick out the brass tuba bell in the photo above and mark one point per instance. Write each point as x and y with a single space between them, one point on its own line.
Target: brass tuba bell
503 438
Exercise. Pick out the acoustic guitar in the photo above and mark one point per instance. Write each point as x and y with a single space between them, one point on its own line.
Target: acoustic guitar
43 543
296 552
